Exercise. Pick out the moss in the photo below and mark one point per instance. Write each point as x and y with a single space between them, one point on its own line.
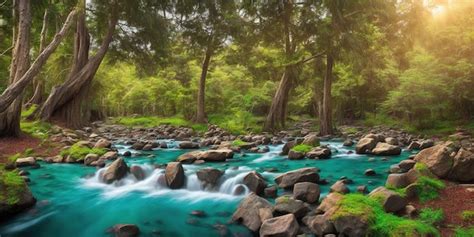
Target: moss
431 216
380 222
36 129
302 148
401 191
467 215
464 232
428 188
13 158
28 112
420 167
77 151
239 142
12 185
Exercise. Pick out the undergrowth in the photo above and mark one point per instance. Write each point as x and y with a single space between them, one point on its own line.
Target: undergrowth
77 151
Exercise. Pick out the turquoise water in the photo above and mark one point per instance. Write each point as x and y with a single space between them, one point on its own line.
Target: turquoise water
72 202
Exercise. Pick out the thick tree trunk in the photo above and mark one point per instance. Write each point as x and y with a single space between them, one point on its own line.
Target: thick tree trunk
276 116
10 119
326 115
65 100
201 106
17 88
38 84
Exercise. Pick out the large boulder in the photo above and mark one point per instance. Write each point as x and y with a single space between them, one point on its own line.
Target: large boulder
255 182
311 140
189 158
216 155
116 171
319 153
287 147
437 159
330 202
306 192
295 155
289 179
188 145
391 201
397 181
125 230
174 175
27 161
352 225
339 187
209 176
365 145
22 201
385 149
463 166
282 226
253 211
320 225
287 204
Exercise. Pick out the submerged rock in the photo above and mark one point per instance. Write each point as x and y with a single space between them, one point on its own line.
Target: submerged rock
289 179
283 226
174 175
209 176
116 171
253 211
125 230
137 172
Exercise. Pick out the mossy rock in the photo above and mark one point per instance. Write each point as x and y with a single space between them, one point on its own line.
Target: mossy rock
15 196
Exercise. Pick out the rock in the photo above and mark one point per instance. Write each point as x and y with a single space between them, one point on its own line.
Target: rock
163 145
395 169
24 201
127 153
90 158
287 147
406 165
339 187
391 201
125 230
253 211
116 171
391 141
321 225
426 144
215 155
209 176
348 142
282 226
271 192
365 145
137 172
306 192
239 190
174 174
198 213
27 161
414 145
369 172
397 181
352 225
188 145
385 149
138 146
189 158
463 166
330 202
362 189
409 211
295 155
437 159
147 147
255 182
102 143
110 155
311 140
287 204
289 179
319 153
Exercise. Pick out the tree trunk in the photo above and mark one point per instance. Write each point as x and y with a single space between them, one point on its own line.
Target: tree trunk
10 119
201 106
326 115
65 100
276 116
17 88
38 84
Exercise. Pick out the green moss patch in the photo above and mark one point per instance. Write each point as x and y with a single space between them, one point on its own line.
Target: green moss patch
77 151
239 142
12 186
380 222
302 148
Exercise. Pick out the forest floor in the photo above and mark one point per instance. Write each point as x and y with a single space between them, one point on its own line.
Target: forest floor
453 200
10 146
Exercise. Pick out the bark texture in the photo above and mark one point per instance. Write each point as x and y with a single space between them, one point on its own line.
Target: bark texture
326 127
201 105
65 101
10 118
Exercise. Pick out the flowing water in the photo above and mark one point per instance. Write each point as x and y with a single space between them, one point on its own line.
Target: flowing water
73 202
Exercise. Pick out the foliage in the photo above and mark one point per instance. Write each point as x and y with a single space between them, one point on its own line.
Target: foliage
302 148
431 216
467 215
78 151
12 186
464 232
36 128
380 222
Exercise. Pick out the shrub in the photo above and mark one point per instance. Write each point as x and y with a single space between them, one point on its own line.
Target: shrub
302 148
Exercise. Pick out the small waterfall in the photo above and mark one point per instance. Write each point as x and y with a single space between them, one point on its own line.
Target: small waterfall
232 185
274 152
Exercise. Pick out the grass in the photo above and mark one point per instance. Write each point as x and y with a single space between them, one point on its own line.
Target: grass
467 215
12 186
431 216
153 121
77 151
34 128
428 188
401 191
464 232
238 123
380 222
239 142
302 148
